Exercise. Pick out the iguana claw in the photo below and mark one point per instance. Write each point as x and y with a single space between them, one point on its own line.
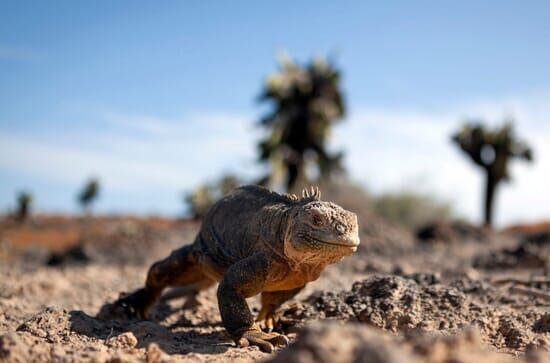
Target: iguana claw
135 305
274 321
265 341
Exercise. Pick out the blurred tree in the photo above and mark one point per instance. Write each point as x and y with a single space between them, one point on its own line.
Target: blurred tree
89 193
228 183
201 199
306 102
24 201
491 150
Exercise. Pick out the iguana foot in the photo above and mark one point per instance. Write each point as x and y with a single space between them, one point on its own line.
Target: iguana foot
275 321
265 341
136 304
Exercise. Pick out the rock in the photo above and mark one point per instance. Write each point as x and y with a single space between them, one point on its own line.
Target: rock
155 355
325 342
424 278
12 349
49 324
396 303
125 340
418 303
513 336
443 231
436 232
526 255
542 325
73 255
464 347
333 342
331 305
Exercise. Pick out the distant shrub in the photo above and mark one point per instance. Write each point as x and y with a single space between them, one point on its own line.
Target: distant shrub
88 194
24 201
410 209
203 197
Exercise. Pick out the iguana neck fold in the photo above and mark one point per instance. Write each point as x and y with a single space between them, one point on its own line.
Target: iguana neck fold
277 230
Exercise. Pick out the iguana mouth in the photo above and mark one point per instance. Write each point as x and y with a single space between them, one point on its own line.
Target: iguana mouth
338 244
311 239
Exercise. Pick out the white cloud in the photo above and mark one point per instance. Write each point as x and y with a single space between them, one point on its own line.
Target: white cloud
385 150
173 155
404 149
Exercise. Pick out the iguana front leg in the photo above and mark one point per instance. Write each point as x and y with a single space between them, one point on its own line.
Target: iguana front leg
271 301
242 280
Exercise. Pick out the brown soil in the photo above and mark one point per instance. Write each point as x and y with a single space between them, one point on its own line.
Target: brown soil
478 296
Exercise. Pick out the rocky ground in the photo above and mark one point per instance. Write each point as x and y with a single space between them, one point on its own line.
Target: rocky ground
449 293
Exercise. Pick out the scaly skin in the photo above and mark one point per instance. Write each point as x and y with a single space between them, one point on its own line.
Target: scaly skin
254 241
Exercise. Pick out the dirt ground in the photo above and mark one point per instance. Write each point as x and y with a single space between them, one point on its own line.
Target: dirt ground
452 293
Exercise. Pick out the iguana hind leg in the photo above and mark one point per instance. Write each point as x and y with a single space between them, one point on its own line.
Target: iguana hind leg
180 268
271 302
245 279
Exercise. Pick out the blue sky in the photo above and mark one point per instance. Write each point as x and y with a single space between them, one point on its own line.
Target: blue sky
155 99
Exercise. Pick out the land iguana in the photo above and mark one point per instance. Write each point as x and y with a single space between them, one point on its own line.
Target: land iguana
254 241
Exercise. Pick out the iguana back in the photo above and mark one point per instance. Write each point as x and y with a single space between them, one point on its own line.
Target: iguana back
249 219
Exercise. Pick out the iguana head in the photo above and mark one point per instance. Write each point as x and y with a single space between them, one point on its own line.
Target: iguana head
321 228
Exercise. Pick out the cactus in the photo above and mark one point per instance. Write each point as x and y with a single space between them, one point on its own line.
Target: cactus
491 150
307 102
89 193
24 201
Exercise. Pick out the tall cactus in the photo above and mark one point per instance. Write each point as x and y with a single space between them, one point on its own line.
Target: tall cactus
491 150
307 101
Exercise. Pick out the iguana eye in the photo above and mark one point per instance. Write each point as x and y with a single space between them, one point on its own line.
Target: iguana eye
317 220
340 228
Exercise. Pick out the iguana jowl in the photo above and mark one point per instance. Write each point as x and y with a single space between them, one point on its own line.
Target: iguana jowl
254 241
